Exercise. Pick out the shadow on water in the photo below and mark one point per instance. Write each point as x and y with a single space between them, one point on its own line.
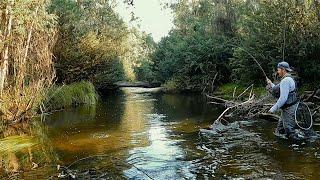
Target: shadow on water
23 147
137 134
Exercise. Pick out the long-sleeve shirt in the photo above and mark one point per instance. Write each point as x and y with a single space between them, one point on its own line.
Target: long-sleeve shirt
287 85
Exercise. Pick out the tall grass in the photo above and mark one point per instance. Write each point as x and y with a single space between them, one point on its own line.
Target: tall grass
66 96
226 90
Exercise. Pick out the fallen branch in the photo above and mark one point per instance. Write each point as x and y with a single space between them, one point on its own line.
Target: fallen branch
217 99
216 103
234 92
312 95
268 116
245 91
213 81
235 106
255 108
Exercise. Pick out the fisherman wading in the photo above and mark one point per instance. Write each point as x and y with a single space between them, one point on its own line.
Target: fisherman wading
286 92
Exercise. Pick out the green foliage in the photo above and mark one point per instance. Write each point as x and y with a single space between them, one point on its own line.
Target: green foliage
199 59
60 97
199 47
172 86
139 57
222 36
27 34
95 44
277 30
91 39
144 71
111 74
226 90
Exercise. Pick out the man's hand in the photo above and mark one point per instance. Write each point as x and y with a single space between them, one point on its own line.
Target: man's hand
268 81
271 110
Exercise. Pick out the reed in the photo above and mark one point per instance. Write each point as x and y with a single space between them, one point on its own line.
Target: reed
66 96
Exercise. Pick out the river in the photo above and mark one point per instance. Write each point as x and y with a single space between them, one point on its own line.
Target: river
137 134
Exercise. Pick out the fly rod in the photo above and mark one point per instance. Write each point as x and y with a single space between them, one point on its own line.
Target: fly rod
255 60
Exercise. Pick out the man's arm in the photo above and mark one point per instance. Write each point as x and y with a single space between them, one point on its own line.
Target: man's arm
284 92
270 83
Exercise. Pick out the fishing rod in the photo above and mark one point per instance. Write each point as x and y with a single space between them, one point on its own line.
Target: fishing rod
254 59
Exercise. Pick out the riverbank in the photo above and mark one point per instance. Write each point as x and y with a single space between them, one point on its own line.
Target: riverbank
61 97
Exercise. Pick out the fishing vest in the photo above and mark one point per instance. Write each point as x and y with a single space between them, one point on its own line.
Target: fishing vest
292 96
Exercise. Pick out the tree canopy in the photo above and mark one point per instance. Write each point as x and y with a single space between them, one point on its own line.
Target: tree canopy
212 36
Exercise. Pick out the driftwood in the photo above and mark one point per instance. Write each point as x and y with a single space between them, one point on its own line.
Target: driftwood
217 99
268 116
250 108
258 107
233 107
251 86
309 95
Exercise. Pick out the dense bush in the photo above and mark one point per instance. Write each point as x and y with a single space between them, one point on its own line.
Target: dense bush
66 96
27 34
144 71
222 37
198 48
273 31
91 40
193 60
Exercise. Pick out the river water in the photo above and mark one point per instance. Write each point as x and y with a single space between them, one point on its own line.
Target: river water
137 134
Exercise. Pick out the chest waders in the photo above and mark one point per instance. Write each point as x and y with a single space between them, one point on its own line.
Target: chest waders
293 111
292 96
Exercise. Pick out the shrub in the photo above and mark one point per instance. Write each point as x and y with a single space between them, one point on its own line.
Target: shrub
65 96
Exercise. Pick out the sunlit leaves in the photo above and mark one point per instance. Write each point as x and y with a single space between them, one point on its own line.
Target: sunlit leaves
91 36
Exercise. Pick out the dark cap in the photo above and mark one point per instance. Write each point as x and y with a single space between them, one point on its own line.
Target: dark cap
285 66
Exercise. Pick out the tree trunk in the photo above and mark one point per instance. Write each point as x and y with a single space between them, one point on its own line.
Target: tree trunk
22 66
5 53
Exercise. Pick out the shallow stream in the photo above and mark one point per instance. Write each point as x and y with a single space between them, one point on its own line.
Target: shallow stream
137 134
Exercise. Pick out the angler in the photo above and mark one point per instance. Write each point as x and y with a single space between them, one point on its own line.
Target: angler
286 92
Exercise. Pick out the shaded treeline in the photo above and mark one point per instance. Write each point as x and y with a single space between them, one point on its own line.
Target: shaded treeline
95 44
62 42
213 42
27 36
221 37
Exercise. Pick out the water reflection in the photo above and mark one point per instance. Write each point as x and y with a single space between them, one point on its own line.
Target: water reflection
136 132
166 157
23 147
137 127
155 153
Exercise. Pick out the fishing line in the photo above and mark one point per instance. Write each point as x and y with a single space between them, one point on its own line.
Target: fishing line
254 59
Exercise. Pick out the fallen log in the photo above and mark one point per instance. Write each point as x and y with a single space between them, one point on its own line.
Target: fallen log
257 108
217 99
234 106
